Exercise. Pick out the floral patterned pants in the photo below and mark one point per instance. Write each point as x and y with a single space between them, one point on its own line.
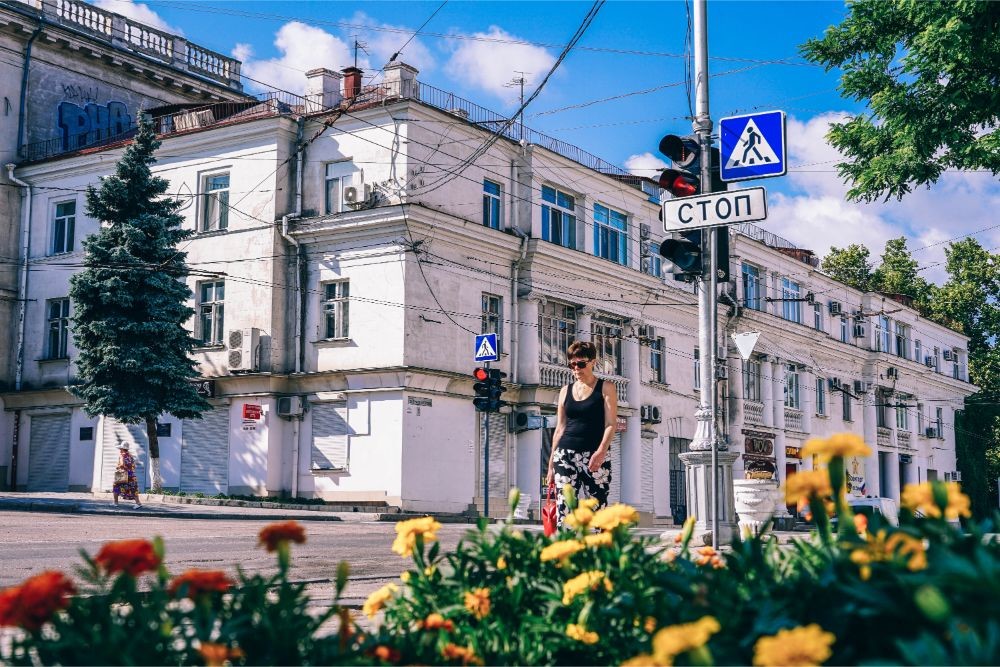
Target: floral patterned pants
573 468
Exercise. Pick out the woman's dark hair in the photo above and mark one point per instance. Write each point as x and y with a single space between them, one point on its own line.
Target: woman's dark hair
582 348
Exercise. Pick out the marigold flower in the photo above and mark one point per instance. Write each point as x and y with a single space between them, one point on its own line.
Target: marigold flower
709 556
477 602
920 498
581 634
282 532
587 581
560 550
452 651
610 518
386 654
436 621
598 540
405 577
130 556
802 646
407 531
839 444
649 624
196 583
377 600
501 563
807 483
216 655
677 639
590 503
33 603
883 547
579 518
643 660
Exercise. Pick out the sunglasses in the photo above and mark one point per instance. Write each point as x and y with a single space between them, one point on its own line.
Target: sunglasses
578 364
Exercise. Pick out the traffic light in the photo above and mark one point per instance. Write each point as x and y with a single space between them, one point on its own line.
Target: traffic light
685 179
683 252
488 389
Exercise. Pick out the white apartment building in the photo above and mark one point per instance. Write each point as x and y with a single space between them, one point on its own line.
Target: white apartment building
338 290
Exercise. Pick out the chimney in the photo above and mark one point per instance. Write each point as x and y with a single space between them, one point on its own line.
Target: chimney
322 89
400 80
352 82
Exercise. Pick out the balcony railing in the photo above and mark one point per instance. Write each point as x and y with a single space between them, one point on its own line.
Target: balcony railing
904 439
558 376
883 437
753 412
793 419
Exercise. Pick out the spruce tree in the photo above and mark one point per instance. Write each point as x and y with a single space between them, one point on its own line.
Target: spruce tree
130 301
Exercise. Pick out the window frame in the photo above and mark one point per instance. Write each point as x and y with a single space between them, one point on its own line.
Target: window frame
821 397
606 333
793 394
697 368
657 359
752 377
901 337
845 329
818 316
209 196
791 310
655 266
553 209
492 320
902 418
846 406
918 351
216 314
495 203
610 234
67 223
61 323
336 305
753 286
939 422
883 334
557 329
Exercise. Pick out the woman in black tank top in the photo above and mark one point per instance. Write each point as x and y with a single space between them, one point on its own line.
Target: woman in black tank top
587 415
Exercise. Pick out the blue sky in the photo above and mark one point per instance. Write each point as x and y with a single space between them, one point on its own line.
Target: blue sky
474 48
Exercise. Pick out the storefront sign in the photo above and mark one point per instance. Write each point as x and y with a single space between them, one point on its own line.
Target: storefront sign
793 452
855 469
205 388
418 400
758 454
758 467
906 458
251 412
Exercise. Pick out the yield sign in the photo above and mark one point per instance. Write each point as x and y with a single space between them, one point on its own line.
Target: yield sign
745 342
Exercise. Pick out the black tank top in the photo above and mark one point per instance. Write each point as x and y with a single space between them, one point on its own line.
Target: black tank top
584 420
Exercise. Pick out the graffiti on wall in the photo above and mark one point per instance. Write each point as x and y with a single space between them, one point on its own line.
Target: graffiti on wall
88 124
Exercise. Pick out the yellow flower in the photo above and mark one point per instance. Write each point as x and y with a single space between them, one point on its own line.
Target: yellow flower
477 602
405 577
598 540
643 660
590 503
579 517
920 497
560 550
677 639
880 548
617 515
501 563
581 634
802 646
407 531
377 600
839 444
588 581
807 483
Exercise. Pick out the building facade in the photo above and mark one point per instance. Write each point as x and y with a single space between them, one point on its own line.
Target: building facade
350 245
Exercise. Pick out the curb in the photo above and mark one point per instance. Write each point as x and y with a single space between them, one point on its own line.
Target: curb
146 511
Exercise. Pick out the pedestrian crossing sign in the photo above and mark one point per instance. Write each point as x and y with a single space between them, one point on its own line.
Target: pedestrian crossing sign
752 146
486 347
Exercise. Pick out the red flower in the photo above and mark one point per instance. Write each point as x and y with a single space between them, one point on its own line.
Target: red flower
200 582
33 603
216 655
130 556
386 654
278 533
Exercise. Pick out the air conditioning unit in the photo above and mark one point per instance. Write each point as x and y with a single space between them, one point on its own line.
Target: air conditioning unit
810 298
650 414
644 231
949 355
722 372
930 432
892 372
290 406
523 420
835 308
860 331
929 361
356 195
859 387
243 344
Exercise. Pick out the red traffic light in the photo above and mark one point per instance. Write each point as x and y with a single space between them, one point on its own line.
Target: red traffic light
679 183
480 374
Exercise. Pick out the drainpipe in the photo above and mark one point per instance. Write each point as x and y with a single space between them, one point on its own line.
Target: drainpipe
22 299
24 83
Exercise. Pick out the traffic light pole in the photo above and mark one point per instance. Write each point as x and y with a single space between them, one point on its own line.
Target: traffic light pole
486 461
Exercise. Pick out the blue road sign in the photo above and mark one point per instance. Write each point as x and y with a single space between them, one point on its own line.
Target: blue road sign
486 347
752 146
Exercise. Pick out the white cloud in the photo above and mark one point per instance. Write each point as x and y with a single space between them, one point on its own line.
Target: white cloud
138 12
489 65
383 44
645 164
302 48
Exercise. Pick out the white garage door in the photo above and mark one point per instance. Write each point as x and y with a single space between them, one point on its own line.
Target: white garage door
499 455
205 453
135 436
48 454
615 456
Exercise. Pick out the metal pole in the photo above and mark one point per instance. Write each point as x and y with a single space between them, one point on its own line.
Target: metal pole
708 295
486 458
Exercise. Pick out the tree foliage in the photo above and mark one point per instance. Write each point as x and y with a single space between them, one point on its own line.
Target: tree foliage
130 302
898 272
928 73
851 266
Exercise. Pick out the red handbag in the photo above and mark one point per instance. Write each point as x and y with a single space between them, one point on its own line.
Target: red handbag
550 520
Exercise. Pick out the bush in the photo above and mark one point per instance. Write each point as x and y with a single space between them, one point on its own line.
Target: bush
923 593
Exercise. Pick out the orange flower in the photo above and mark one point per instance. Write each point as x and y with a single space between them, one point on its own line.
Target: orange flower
275 534
477 602
130 556
435 621
709 556
216 655
455 652
33 603
861 524
386 654
196 583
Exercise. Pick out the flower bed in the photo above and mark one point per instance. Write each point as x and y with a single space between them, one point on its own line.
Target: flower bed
922 593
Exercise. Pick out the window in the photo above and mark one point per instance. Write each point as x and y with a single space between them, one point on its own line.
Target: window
792 398
847 405
58 339
556 330
610 234
821 396
64 227
881 410
606 334
336 302
333 189
902 340
211 311
751 380
845 330
697 369
753 287
956 365
491 204
920 418
883 334
937 359
902 417
215 215
653 261
86 433
558 217
492 317
656 360
791 310
939 422
918 351
817 317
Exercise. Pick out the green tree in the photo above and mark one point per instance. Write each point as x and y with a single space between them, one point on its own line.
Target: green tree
899 273
130 302
850 265
928 73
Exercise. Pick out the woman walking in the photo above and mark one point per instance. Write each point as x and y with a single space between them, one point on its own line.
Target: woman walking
587 414
126 485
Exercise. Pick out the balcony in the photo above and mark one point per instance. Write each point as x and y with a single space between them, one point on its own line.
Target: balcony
883 439
753 412
904 439
558 376
793 420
